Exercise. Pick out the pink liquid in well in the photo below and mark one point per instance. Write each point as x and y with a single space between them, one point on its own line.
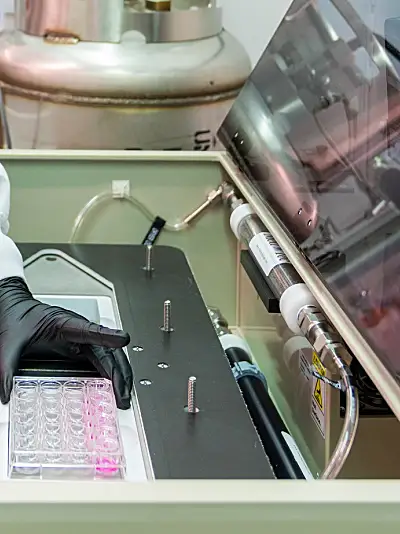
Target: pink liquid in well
106 466
98 414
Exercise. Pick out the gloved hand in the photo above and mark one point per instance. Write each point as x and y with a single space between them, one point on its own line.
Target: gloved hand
27 325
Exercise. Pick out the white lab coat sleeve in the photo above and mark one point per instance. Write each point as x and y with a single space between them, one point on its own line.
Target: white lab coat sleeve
11 263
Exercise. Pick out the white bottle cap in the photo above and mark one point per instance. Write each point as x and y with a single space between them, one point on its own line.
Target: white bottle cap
292 301
232 341
237 216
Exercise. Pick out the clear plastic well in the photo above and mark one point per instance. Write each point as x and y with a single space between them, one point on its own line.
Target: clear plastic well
64 429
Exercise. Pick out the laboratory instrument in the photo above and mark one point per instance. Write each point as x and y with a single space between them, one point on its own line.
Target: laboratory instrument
263 317
314 132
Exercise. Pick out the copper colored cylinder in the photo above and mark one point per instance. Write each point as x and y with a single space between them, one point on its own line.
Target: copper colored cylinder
158 5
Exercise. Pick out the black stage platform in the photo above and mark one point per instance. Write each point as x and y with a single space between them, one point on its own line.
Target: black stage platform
220 442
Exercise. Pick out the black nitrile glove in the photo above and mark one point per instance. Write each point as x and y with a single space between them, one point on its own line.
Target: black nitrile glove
27 325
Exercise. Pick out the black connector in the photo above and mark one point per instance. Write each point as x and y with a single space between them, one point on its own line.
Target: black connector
259 282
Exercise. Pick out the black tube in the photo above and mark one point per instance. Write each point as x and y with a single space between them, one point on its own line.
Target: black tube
267 421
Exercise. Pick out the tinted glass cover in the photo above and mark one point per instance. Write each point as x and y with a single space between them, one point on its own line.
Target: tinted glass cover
316 131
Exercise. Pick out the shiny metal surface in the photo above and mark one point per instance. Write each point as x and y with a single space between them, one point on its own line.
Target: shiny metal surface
121 96
282 276
211 199
257 140
319 333
131 71
323 104
91 20
250 227
149 259
163 26
185 125
117 75
218 321
229 196
105 21
322 336
167 326
192 397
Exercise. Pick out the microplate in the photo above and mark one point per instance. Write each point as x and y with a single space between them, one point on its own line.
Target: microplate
64 429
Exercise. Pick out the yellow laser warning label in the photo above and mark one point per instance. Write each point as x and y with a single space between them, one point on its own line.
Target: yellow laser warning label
318 395
317 364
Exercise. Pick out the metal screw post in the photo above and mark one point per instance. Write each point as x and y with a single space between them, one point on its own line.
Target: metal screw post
149 257
167 317
191 406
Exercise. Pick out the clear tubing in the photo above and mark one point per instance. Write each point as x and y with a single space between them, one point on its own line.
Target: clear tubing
106 196
350 424
181 225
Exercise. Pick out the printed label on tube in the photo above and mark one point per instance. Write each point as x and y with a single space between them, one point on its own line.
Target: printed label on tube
304 366
267 252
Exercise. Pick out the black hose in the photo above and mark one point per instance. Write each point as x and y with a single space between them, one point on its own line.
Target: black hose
266 420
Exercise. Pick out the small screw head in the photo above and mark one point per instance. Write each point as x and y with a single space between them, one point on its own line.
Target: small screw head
138 348
167 331
163 365
186 409
145 382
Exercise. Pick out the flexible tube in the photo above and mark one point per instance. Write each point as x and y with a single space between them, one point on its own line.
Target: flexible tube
350 424
107 195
